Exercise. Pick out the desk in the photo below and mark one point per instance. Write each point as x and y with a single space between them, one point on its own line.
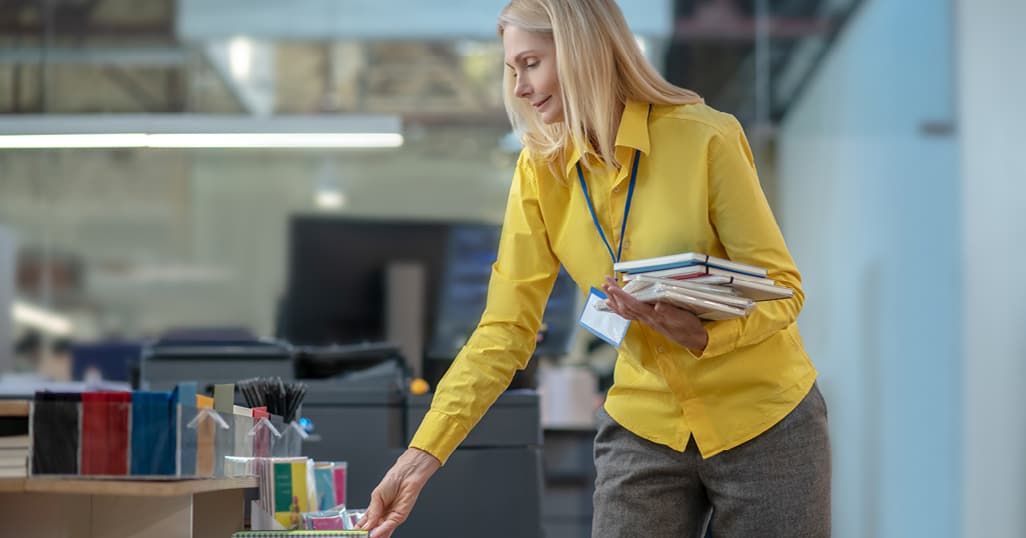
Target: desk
53 507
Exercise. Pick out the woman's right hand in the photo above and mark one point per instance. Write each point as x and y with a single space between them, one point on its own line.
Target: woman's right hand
393 499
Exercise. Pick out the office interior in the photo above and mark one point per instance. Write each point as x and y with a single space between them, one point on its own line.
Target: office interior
887 137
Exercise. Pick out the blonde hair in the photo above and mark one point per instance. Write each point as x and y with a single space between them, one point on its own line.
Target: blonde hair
599 65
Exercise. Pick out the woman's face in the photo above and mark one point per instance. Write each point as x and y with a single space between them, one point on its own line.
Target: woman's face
532 58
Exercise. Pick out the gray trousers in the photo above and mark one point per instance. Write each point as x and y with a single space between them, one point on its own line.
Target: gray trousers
776 485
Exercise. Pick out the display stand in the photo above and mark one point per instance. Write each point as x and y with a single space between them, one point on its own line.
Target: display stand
46 507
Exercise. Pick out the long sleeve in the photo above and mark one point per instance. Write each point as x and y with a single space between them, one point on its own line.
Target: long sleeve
521 280
749 233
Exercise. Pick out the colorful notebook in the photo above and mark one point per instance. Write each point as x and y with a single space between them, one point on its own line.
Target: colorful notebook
277 534
291 496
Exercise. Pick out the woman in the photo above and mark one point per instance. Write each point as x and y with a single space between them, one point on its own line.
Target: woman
707 422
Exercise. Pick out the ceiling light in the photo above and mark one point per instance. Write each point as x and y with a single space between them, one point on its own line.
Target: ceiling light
330 199
39 318
240 57
197 131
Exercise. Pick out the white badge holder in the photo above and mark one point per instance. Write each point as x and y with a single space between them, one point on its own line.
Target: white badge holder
600 321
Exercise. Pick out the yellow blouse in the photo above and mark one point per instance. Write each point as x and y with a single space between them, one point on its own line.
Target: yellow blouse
697 190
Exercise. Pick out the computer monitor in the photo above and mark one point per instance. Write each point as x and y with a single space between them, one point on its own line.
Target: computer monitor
336 282
472 249
337 271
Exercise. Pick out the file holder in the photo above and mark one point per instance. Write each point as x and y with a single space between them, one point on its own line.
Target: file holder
296 492
210 431
290 443
140 435
286 491
147 435
263 436
243 446
240 466
330 482
54 430
105 447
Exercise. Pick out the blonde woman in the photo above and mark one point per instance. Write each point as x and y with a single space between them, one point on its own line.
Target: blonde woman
708 423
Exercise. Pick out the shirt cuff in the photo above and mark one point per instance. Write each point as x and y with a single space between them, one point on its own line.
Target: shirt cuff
439 435
723 337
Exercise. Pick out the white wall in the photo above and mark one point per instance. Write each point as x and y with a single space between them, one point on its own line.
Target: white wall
992 119
869 204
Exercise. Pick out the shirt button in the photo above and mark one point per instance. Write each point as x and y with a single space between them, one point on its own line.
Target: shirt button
627 244
661 349
616 190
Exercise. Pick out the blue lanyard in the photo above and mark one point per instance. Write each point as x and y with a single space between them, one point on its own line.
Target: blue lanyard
626 208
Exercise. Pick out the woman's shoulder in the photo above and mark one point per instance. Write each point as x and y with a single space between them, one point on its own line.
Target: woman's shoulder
698 116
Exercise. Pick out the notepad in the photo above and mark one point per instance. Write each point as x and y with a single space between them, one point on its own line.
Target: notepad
689 261
277 534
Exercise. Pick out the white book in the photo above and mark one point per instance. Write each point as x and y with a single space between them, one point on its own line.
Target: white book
13 472
758 291
748 288
14 441
703 308
726 279
701 303
658 289
690 284
700 273
688 259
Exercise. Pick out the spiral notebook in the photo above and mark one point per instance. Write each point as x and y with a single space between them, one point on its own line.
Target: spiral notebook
285 534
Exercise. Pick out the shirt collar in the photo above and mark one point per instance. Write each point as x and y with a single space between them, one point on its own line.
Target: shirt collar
632 133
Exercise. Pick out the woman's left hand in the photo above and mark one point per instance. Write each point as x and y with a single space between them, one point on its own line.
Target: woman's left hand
677 324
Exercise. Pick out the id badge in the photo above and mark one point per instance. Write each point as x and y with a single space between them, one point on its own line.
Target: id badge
605 324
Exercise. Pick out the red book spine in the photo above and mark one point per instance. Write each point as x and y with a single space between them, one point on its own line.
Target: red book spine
94 433
105 438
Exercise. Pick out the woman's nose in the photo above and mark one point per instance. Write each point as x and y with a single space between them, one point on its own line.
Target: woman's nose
522 89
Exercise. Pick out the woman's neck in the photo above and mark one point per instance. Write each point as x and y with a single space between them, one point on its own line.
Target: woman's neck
614 126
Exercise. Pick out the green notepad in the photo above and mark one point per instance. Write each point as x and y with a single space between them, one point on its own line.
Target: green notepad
283 534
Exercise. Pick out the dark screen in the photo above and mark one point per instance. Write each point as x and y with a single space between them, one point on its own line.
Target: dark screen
337 271
335 292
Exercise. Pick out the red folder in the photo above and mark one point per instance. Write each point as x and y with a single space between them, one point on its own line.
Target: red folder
105 433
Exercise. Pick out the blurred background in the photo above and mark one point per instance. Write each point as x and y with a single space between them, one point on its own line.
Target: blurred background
262 169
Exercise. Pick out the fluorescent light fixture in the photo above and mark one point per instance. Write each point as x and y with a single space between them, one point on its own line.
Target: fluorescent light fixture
240 57
327 194
330 199
196 131
93 140
41 319
275 140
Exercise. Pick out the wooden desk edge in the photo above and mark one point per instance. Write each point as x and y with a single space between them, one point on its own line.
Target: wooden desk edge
143 488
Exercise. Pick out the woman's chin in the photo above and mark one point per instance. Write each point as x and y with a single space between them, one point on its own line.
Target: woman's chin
550 118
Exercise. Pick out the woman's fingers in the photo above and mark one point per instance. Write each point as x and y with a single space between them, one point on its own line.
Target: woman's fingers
624 304
378 506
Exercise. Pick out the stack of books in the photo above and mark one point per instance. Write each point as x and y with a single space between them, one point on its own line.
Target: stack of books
14 439
713 288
